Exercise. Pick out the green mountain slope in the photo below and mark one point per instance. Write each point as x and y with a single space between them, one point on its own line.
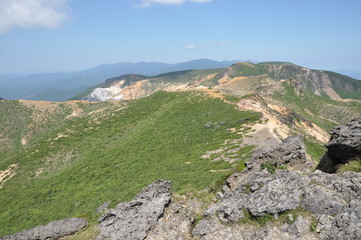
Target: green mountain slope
111 153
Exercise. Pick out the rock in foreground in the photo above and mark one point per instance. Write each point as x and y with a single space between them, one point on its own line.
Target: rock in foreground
53 230
345 142
133 220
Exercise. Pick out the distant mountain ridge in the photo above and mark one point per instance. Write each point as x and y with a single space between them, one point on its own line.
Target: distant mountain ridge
239 78
62 86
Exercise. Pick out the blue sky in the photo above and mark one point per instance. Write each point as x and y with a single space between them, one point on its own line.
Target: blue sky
57 35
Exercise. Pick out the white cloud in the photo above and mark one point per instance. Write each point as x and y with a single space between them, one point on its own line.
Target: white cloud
147 3
220 43
31 13
190 46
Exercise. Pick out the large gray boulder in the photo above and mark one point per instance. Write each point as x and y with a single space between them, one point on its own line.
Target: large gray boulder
280 194
345 142
290 151
133 220
53 230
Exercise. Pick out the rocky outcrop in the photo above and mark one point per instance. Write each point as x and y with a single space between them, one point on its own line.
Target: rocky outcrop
329 204
260 194
53 230
133 220
291 152
345 142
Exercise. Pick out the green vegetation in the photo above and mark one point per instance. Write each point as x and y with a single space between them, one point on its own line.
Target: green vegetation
90 232
259 221
113 153
246 69
314 224
315 149
88 107
270 166
354 166
289 216
184 76
231 98
14 119
349 94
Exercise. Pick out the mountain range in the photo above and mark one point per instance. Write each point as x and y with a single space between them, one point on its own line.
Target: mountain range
243 145
62 86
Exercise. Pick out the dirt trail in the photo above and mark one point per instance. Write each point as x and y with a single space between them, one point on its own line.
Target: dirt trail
266 134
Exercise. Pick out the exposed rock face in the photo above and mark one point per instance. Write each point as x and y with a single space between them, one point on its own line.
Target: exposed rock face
114 88
345 142
133 220
104 94
53 230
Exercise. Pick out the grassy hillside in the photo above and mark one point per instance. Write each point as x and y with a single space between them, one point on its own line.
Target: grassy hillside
14 119
28 122
112 153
